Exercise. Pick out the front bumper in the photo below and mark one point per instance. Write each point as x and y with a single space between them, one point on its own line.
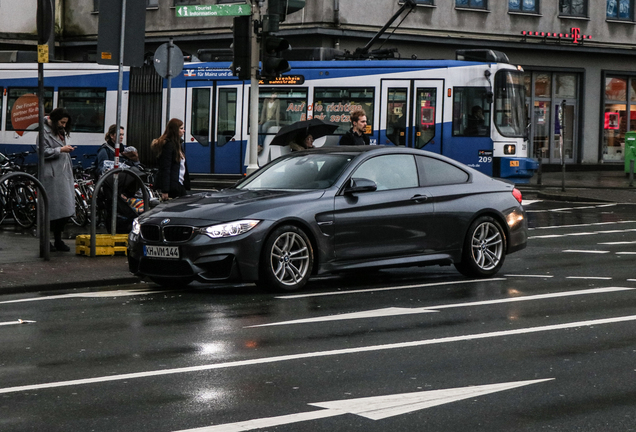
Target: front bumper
205 259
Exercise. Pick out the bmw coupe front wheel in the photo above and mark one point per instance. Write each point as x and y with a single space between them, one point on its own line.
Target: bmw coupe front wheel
287 260
484 248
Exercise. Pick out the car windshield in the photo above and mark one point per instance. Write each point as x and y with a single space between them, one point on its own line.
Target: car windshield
308 171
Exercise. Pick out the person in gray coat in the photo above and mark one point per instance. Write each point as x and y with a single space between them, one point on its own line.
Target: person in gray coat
58 173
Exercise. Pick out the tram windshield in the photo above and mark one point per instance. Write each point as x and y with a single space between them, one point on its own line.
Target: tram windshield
509 116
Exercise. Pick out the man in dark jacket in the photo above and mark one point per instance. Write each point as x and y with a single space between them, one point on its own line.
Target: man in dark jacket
356 135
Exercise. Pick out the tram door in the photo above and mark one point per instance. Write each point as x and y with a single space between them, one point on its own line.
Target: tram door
213 137
411 114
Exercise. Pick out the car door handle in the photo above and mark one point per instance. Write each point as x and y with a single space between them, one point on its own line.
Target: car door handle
419 198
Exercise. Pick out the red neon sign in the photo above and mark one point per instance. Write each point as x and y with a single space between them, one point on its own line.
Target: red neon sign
575 35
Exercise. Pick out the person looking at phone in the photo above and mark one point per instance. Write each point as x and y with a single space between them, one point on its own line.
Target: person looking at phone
57 177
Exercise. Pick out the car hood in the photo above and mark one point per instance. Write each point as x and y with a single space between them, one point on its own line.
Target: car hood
232 204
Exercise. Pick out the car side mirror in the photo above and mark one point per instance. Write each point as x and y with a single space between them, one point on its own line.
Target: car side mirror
360 185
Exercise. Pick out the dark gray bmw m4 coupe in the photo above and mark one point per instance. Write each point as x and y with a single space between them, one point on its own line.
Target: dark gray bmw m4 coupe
333 209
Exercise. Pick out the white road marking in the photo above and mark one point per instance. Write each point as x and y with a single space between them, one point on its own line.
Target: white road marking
529 276
529 202
617 243
387 288
571 208
396 311
580 225
373 408
586 251
590 277
625 253
20 321
581 234
99 294
308 355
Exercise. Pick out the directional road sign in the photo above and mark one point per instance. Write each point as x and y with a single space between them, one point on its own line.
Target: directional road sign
213 10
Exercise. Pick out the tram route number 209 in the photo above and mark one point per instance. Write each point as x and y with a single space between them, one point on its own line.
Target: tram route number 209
485 159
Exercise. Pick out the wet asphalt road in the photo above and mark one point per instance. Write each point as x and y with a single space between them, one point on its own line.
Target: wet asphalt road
548 344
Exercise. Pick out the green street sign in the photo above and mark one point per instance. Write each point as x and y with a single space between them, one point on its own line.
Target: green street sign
213 10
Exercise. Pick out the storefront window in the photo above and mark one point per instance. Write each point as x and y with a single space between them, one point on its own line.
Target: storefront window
619 116
545 93
565 85
543 85
616 89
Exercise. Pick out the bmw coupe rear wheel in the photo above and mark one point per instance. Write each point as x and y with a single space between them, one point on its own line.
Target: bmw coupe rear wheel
484 248
287 259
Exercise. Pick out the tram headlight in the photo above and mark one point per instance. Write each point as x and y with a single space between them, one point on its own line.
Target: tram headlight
510 149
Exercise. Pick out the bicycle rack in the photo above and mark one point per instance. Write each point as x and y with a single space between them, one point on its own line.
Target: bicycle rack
45 238
98 186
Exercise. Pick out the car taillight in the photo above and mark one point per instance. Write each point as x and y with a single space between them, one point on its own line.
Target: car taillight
517 194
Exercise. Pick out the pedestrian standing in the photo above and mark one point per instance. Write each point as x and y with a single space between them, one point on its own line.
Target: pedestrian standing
357 134
128 156
58 173
172 179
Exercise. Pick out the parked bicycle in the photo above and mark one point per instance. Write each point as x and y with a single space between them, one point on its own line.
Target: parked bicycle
18 197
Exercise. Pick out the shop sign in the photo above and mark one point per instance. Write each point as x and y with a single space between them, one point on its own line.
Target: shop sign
612 120
574 36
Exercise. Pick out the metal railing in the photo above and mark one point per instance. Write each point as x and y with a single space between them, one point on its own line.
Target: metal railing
98 186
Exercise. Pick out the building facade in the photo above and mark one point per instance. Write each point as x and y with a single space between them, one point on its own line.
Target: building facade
577 54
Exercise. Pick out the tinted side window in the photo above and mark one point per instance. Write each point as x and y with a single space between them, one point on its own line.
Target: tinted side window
390 171
437 172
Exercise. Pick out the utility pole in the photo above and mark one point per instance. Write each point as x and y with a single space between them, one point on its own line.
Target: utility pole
254 91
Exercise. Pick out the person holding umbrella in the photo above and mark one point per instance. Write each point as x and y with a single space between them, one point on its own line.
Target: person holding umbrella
357 134
302 141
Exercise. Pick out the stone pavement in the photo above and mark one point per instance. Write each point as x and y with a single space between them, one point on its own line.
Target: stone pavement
22 270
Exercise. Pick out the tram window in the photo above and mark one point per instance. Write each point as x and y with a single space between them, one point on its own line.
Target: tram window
396 116
437 172
509 113
13 94
279 107
425 123
86 105
335 105
471 111
200 118
226 122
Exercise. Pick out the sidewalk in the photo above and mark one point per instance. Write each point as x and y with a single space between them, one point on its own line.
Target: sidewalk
22 270
582 186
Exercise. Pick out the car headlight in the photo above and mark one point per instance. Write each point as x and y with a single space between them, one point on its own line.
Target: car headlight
514 218
229 229
136 227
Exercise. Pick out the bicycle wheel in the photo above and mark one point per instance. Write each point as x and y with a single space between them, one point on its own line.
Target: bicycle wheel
23 202
81 210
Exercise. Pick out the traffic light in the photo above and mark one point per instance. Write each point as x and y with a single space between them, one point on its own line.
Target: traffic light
282 8
242 47
271 64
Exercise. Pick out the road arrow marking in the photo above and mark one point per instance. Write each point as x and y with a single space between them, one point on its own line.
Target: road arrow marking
395 311
95 294
373 408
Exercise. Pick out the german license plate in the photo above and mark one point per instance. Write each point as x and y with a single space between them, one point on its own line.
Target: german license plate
166 252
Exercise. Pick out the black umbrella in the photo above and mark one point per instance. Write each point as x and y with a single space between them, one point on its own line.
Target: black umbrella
314 127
